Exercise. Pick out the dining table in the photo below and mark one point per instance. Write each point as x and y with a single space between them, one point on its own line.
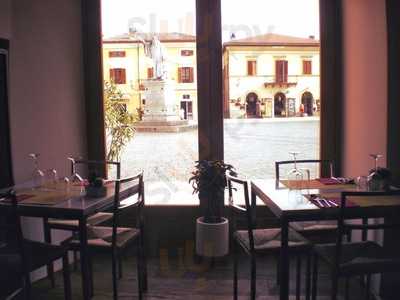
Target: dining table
289 205
70 203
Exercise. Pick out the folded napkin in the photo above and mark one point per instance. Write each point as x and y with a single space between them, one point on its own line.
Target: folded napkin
329 181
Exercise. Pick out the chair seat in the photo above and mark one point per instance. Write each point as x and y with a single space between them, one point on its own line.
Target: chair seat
359 258
309 226
96 219
101 237
38 254
270 240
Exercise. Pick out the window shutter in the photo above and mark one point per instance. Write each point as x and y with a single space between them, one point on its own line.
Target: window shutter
150 73
123 76
191 77
307 67
278 71
180 75
285 71
251 67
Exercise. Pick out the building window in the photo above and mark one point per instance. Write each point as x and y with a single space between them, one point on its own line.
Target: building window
281 71
307 67
187 52
185 75
117 54
118 76
251 68
150 73
186 96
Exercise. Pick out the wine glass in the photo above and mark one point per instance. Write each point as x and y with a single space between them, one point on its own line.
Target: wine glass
294 176
51 178
375 180
37 174
376 157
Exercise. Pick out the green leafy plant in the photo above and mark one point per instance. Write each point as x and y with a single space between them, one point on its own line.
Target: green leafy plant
209 181
118 121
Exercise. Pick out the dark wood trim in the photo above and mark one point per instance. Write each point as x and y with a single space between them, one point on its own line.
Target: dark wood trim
393 148
6 173
209 79
331 83
93 79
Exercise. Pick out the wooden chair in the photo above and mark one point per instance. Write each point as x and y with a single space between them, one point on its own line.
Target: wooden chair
354 258
19 257
315 230
261 242
73 225
115 239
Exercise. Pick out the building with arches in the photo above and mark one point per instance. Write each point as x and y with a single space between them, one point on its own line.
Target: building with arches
271 76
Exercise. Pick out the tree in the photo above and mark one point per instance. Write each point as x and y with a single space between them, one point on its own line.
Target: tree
118 121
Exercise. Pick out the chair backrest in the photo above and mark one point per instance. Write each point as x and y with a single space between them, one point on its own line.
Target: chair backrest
235 184
124 198
302 162
344 227
10 225
94 163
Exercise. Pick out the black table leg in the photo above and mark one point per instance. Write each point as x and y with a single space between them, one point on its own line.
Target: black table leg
284 263
84 259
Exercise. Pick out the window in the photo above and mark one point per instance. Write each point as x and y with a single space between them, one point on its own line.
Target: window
281 71
187 53
185 75
307 67
117 54
150 73
118 76
251 68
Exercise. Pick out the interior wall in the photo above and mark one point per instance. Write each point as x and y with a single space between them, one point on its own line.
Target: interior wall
5 19
365 84
46 89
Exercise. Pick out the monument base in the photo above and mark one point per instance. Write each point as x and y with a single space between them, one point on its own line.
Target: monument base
169 126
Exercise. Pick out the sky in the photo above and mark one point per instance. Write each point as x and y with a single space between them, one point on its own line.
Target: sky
245 18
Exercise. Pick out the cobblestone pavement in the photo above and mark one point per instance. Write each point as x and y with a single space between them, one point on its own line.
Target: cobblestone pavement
252 146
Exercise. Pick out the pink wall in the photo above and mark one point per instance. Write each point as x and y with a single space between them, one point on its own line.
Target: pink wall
365 84
5 19
46 93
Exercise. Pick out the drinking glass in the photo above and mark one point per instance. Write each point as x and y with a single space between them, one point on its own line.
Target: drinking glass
51 178
294 176
37 174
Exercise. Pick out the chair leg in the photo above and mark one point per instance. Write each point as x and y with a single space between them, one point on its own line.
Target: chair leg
139 265
27 287
114 275
253 277
47 239
308 277
143 258
367 287
346 288
120 267
315 278
235 271
67 278
90 263
335 286
298 277
278 269
76 264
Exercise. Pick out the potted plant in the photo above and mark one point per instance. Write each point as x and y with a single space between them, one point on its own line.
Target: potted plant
95 187
212 230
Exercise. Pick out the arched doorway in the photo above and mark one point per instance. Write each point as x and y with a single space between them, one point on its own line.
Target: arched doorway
307 100
251 107
280 105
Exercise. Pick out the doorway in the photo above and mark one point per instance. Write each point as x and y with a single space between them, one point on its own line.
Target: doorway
251 105
280 105
307 100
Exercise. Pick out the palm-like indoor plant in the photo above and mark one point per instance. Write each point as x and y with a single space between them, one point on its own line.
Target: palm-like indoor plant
212 230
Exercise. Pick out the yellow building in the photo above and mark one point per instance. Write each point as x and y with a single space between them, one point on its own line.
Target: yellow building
271 75
125 63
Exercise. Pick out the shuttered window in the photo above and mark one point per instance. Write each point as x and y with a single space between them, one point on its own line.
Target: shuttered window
150 73
185 75
281 71
307 67
251 68
118 76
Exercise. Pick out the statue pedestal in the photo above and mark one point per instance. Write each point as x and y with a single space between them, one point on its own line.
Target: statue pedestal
160 104
161 111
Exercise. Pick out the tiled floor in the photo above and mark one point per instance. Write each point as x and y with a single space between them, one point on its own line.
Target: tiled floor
184 279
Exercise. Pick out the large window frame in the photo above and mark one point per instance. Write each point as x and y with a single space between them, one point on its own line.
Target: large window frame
209 80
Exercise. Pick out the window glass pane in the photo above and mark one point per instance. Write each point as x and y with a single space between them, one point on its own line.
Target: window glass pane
276 111
149 61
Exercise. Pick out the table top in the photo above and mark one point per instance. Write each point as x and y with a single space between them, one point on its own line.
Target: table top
294 204
71 204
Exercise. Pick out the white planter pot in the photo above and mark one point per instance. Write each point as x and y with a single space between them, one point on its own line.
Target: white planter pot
212 239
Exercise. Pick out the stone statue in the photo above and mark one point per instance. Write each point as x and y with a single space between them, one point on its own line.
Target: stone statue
156 51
